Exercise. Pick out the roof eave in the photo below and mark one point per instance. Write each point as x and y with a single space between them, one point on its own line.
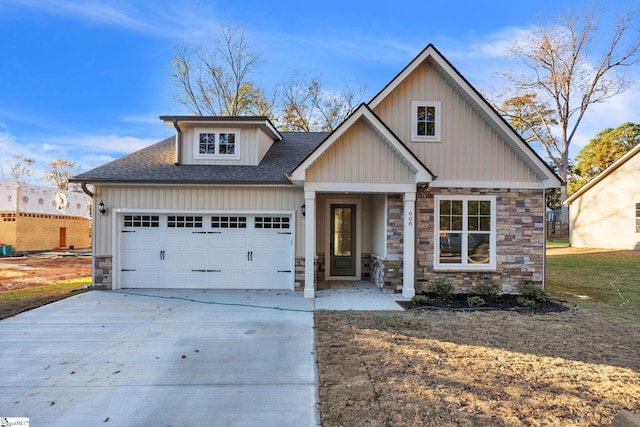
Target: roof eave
261 121
284 182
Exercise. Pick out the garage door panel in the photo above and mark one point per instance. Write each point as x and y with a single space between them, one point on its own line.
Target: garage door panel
231 252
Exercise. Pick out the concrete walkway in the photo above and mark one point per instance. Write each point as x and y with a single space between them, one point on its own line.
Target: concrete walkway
170 357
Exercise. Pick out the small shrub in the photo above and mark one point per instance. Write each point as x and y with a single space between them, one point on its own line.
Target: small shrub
489 288
442 287
535 293
420 300
526 302
475 301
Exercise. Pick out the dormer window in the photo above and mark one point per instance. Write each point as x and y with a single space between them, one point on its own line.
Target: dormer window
218 143
425 122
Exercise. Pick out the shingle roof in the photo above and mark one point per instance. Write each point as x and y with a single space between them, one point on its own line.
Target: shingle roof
156 164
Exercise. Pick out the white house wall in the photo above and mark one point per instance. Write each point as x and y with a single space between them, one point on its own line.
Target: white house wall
360 156
469 149
264 143
202 198
379 225
604 216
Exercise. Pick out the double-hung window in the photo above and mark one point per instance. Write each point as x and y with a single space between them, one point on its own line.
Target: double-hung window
425 122
216 144
637 217
465 232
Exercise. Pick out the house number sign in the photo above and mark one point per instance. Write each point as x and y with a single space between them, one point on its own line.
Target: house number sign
410 219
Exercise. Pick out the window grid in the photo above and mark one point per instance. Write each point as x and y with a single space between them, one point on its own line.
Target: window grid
145 221
426 121
217 143
207 143
228 222
465 232
227 143
277 222
184 221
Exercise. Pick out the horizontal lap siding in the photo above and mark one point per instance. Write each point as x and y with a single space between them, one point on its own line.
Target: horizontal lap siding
361 155
469 149
604 216
193 198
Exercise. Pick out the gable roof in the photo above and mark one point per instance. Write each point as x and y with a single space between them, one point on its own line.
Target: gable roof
155 164
602 175
480 105
423 174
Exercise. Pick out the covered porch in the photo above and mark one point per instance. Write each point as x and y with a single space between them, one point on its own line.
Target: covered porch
352 237
360 189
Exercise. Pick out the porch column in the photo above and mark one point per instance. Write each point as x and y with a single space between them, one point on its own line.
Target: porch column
409 246
309 244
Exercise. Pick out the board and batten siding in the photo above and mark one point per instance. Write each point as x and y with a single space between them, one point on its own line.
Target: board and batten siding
202 199
469 150
604 215
361 156
248 141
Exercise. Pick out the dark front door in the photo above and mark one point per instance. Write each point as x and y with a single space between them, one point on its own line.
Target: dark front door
343 240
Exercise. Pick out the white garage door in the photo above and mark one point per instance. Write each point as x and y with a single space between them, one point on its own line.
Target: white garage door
206 251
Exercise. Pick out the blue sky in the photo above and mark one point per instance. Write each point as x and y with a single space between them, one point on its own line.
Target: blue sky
87 80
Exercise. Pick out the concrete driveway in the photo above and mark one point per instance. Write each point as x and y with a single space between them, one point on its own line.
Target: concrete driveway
162 358
171 357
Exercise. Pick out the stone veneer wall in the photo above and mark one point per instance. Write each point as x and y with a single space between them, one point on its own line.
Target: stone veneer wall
102 272
298 277
519 240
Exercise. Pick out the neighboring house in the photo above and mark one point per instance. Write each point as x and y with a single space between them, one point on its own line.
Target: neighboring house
425 181
37 218
605 212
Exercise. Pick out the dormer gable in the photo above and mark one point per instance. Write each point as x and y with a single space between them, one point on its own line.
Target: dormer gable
217 140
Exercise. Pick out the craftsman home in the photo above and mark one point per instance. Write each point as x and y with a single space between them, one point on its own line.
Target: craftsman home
37 218
424 181
605 212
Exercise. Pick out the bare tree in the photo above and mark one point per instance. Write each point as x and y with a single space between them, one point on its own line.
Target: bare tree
20 168
565 79
307 107
217 81
60 172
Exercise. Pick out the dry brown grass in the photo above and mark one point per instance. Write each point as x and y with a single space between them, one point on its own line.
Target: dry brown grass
475 369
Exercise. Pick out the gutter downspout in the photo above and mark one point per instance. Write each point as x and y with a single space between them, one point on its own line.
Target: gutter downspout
178 143
83 185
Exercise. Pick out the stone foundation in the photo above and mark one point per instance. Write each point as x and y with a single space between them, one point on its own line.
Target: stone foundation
102 272
298 278
386 274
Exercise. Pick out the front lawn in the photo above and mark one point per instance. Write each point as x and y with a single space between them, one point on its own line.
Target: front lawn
604 282
16 301
434 368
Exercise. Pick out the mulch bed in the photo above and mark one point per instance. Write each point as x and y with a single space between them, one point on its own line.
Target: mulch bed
503 302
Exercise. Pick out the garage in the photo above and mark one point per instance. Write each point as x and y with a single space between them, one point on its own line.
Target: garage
206 251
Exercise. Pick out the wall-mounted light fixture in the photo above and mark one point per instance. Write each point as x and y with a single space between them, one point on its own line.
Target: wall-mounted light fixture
303 210
101 208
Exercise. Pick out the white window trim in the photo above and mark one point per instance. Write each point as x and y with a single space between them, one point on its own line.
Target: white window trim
465 265
217 131
414 121
636 218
